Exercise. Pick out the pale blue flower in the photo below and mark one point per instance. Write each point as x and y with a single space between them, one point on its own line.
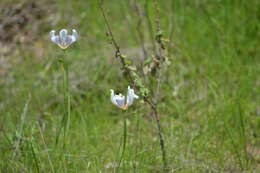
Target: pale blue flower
63 40
120 101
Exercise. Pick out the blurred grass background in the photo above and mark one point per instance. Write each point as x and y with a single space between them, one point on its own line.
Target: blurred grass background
209 100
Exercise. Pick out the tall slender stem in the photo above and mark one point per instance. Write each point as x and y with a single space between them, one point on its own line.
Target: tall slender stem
65 123
124 145
160 131
66 91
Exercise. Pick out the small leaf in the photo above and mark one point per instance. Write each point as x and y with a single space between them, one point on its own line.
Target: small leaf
148 61
132 68
128 62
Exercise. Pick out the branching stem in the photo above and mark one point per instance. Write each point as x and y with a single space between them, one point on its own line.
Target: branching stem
147 99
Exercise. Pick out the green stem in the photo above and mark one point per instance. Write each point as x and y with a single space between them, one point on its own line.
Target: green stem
124 146
35 158
65 123
66 96
138 142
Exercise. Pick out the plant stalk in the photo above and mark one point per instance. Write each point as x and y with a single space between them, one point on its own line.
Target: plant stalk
66 91
65 123
160 132
124 146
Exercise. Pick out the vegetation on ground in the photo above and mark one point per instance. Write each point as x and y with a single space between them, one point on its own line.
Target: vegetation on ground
207 97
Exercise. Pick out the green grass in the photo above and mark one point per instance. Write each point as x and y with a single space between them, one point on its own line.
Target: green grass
208 101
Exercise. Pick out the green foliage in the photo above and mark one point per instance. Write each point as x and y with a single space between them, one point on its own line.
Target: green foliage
208 96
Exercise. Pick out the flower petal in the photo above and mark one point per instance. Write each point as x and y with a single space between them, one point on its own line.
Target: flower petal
70 39
75 34
130 96
118 100
112 96
52 33
63 34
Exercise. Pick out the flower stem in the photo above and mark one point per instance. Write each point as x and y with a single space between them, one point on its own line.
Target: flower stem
65 123
66 91
124 146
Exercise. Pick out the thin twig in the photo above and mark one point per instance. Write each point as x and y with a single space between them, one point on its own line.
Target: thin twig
160 132
161 57
161 48
118 53
139 30
150 26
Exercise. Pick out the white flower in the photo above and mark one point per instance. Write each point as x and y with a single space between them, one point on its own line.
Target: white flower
120 101
63 40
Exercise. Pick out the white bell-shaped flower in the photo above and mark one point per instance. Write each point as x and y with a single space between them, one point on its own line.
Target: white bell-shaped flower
120 101
63 40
